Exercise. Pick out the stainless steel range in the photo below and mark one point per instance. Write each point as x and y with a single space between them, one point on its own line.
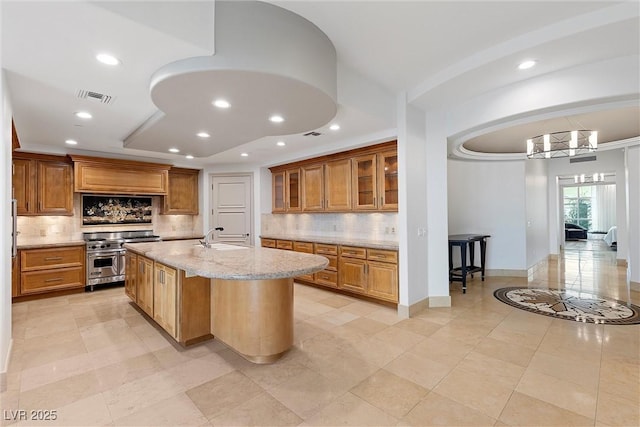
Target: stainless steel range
105 254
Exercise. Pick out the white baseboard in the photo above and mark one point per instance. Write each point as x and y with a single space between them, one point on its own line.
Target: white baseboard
5 369
429 302
505 273
441 301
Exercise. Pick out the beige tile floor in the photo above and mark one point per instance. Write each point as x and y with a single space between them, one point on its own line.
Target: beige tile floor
95 360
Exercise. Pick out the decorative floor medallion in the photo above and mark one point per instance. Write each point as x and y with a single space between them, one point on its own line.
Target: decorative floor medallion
571 305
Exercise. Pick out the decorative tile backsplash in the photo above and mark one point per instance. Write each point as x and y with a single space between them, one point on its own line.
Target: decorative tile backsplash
71 226
374 226
107 210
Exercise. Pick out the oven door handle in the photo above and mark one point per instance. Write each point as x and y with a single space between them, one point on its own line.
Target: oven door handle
104 254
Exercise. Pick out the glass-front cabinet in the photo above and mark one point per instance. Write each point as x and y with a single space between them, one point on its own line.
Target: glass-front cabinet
375 181
388 182
365 183
277 203
293 190
286 191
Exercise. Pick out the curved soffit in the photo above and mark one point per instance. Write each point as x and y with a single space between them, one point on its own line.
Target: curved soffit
268 61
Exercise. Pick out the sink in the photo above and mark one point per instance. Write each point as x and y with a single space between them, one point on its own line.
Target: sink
221 246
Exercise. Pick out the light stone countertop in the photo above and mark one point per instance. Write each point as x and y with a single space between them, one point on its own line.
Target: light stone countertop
230 262
332 240
33 242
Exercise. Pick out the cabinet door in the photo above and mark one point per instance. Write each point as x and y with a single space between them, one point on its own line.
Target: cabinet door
388 180
365 183
131 261
55 189
313 188
164 298
277 192
382 280
182 195
24 185
144 285
15 276
352 275
337 191
294 202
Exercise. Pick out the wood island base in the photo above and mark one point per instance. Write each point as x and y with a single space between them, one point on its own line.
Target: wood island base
253 317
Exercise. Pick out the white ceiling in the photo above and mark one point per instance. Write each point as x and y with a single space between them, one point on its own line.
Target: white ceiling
440 53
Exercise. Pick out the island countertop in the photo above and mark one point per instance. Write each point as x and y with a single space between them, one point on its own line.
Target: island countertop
230 262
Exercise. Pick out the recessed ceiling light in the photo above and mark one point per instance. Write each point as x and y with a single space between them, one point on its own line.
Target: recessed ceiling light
83 115
107 59
189 156
280 143
276 119
526 64
71 142
334 126
203 135
244 154
221 103
174 150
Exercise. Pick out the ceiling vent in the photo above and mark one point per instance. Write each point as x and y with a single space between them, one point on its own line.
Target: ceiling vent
100 97
312 133
582 159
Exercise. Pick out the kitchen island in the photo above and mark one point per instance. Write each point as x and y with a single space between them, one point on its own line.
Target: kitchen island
244 295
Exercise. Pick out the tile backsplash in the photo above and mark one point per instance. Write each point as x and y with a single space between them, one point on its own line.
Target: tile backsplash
374 226
71 226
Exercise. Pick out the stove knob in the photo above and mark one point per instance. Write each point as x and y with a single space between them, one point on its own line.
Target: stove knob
108 245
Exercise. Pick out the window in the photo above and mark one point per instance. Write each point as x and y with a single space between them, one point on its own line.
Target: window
577 205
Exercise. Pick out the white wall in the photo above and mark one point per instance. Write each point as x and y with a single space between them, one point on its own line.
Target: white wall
536 188
437 215
607 161
412 205
633 170
5 229
489 198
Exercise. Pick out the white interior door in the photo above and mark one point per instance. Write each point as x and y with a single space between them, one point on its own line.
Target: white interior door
231 201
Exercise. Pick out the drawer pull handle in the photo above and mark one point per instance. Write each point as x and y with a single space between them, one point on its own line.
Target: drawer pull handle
59 279
53 258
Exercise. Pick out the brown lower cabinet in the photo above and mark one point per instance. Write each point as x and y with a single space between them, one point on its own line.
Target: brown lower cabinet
41 271
360 271
179 304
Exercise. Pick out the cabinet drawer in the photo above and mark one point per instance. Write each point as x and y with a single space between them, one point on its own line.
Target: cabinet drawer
333 262
324 249
382 255
34 282
40 259
327 278
284 244
305 247
352 252
268 243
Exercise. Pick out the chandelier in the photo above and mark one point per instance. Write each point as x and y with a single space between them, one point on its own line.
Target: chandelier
562 144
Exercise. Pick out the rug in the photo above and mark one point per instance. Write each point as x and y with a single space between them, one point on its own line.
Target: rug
571 305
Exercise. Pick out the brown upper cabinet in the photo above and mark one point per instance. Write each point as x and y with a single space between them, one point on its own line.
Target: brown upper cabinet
15 142
364 179
327 186
313 188
114 176
286 191
182 195
42 184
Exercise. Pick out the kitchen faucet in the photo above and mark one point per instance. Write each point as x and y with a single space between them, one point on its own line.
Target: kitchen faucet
209 237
